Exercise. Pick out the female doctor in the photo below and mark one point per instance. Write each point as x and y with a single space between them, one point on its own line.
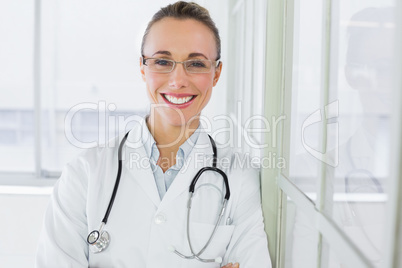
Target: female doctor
151 222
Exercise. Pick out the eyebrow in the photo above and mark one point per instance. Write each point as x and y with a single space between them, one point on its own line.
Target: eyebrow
191 55
164 52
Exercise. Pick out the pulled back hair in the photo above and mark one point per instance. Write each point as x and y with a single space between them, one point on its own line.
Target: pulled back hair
185 10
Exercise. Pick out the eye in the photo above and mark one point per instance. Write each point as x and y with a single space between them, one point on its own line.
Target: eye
196 64
162 62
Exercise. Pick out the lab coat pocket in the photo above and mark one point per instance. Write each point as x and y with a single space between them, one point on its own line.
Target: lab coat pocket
200 233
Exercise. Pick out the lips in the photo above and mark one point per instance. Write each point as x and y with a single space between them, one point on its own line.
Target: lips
178 100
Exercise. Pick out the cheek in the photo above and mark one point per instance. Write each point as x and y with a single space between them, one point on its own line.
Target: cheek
153 82
205 84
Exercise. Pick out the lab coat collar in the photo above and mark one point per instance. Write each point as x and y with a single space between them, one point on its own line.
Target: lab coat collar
137 162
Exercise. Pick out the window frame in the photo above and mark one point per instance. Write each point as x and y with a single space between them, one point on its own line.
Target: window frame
276 185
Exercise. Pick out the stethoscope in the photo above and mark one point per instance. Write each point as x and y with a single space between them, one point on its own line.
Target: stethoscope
99 240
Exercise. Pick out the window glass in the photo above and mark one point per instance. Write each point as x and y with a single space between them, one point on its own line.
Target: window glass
361 81
306 93
332 258
352 120
16 86
91 83
258 53
301 238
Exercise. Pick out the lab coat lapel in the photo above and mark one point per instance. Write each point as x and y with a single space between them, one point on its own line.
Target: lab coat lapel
137 163
200 156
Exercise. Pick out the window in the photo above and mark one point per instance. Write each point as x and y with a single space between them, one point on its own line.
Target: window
16 88
85 84
246 66
341 88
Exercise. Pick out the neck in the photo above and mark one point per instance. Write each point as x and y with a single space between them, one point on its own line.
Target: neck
168 136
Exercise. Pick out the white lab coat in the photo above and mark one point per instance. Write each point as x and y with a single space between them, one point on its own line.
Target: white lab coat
142 226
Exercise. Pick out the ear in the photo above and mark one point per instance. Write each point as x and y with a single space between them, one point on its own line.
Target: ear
142 70
218 71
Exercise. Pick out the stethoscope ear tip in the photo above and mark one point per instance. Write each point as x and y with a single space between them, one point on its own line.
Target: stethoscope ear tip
171 248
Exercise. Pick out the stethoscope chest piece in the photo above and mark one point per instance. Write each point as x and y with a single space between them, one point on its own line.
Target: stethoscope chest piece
98 240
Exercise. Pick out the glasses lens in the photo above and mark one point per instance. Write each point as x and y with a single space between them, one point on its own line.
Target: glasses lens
160 65
198 66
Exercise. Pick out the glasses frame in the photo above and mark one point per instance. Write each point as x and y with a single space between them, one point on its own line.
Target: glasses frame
214 63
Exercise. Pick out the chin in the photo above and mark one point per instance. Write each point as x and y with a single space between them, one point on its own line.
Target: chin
172 117
181 121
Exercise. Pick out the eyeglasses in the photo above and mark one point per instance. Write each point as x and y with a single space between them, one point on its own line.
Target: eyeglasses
195 66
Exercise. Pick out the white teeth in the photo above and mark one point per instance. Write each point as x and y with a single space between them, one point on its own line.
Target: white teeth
175 100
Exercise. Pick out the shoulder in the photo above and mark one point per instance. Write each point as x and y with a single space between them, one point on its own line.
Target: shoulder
241 168
238 162
105 156
91 160
244 182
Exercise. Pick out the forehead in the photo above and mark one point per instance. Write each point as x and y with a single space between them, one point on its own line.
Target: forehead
180 38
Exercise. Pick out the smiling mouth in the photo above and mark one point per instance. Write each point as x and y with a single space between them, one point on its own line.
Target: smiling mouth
176 100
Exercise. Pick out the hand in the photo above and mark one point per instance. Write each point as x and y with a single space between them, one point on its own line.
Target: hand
230 265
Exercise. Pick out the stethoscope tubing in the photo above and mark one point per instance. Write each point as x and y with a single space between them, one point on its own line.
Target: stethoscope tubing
116 185
196 255
215 169
191 192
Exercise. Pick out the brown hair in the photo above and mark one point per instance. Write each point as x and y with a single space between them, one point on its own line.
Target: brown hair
185 10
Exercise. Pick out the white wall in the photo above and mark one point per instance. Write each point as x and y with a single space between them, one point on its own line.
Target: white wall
21 221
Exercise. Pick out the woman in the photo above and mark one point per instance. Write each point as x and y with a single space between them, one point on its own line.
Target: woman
148 226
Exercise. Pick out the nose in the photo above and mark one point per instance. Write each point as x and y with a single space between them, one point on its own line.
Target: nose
178 78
